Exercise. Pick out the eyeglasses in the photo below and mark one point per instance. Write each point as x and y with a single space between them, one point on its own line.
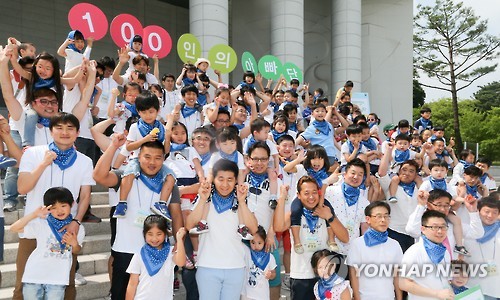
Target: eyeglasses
441 206
202 139
223 121
261 160
242 111
437 228
381 217
46 102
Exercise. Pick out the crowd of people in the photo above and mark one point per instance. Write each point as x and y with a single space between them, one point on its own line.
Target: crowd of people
233 172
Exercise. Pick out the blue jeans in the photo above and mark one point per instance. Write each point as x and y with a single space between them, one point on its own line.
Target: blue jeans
37 291
30 127
220 284
10 183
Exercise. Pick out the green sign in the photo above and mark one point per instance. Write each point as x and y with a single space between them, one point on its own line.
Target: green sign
248 62
188 48
291 71
222 58
473 293
270 67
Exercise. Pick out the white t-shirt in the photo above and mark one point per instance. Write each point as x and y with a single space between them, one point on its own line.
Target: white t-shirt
170 100
106 85
387 254
427 186
485 253
73 178
181 162
300 266
401 210
350 216
395 166
259 204
216 157
344 149
221 247
416 257
71 98
270 144
133 136
160 286
46 264
256 285
291 180
192 122
129 237
211 106
20 95
42 134
74 58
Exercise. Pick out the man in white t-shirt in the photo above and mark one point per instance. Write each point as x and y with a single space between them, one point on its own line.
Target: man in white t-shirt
46 166
420 272
375 249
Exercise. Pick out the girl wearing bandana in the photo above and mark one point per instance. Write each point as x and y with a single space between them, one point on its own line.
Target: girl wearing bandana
73 49
280 128
152 268
261 267
330 286
465 160
221 256
54 245
121 112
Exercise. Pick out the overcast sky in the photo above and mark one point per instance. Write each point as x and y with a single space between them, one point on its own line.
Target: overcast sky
485 9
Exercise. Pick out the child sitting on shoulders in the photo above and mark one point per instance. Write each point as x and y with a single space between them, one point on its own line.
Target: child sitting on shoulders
72 49
135 47
122 111
55 247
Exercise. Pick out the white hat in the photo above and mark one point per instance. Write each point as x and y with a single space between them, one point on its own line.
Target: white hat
201 60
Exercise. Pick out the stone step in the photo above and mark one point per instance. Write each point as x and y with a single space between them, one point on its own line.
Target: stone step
90 229
91 245
90 264
101 210
97 287
98 198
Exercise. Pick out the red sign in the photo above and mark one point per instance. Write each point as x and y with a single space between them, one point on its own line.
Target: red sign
123 28
156 40
88 19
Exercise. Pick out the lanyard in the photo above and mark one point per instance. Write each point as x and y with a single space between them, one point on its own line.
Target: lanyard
494 249
347 214
139 194
51 172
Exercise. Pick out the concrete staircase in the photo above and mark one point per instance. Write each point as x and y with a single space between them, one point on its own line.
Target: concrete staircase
93 259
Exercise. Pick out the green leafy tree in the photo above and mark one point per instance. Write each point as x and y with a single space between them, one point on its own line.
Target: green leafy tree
488 96
418 94
451 44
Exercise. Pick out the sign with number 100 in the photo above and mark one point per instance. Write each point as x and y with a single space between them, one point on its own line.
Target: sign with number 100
92 22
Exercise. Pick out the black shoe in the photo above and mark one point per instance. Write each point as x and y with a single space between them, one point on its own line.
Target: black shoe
90 218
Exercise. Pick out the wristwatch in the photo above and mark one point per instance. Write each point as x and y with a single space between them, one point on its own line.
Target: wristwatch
331 219
77 222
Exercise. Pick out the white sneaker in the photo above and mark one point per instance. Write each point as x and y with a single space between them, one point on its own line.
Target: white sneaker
80 280
286 283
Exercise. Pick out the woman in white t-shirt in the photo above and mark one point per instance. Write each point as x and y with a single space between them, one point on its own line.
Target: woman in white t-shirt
221 254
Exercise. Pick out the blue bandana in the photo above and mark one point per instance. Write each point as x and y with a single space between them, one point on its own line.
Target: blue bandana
306 113
292 126
177 147
275 107
472 190
249 109
370 144
145 129
442 155
277 135
434 251
222 204
319 175
371 124
483 177
458 289
351 147
437 183
131 108
322 126
202 99
64 159
251 141
425 122
44 83
153 183
244 83
188 81
231 157
311 219
351 194
260 258
188 111
205 158
56 225
409 188
374 238
257 179
44 121
401 156
325 285
466 164
225 108
154 258
239 126
490 231
71 35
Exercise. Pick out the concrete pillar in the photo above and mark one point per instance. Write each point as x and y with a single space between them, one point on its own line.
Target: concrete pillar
346 44
287 31
209 22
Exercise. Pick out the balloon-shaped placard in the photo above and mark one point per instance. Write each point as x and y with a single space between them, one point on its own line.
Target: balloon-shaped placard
291 71
123 28
188 48
222 58
248 62
89 20
270 67
156 41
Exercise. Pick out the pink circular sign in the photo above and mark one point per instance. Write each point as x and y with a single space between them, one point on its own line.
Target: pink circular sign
123 28
156 40
88 19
